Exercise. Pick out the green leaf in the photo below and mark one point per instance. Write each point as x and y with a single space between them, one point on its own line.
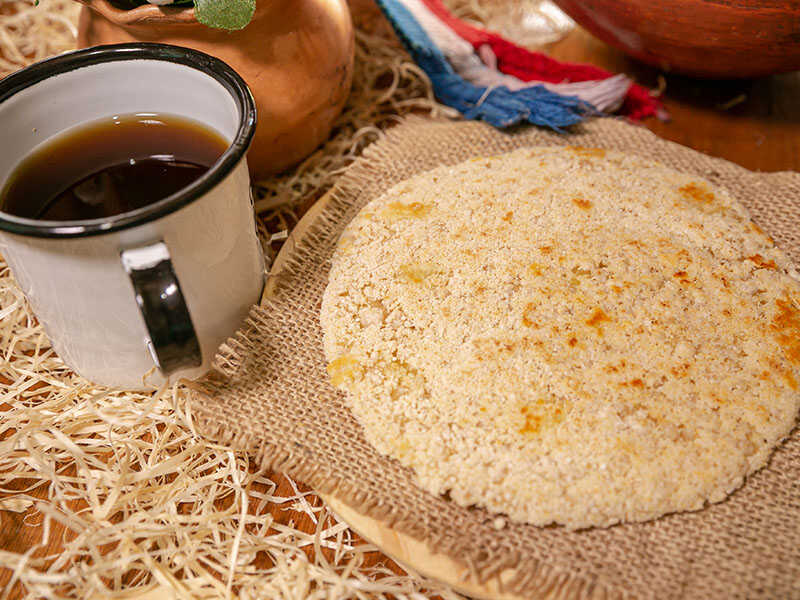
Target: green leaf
225 14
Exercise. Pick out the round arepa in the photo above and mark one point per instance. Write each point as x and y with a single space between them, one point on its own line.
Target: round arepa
565 335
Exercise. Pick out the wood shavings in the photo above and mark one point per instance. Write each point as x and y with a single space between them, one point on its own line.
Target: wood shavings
17 504
150 508
29 33
661 87
529 23
732 102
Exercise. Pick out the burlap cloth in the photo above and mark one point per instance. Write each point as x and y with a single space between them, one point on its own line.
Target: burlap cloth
274 400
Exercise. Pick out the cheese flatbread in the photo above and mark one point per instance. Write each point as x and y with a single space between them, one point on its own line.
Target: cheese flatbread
566 335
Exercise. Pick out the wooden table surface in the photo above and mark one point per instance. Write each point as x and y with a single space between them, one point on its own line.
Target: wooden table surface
753 123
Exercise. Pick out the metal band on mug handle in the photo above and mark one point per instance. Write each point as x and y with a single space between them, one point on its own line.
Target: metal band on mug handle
173 340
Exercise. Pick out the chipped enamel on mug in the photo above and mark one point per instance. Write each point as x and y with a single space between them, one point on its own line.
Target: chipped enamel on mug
147 296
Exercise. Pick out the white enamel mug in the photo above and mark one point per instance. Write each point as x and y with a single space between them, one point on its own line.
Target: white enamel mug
162 286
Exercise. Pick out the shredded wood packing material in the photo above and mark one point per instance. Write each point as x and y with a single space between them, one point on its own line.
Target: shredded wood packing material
566 335
31 32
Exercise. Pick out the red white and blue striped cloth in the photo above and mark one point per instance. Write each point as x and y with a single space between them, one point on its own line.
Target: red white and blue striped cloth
487 77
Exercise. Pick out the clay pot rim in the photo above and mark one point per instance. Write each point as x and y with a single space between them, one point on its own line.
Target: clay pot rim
194 59
143 15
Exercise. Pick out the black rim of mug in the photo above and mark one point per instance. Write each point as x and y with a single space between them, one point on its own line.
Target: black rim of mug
78 59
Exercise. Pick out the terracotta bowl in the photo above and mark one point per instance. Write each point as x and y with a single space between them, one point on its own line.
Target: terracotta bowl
296 56
706 38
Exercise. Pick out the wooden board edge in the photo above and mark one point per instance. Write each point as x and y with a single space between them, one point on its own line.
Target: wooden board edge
413 554
295 236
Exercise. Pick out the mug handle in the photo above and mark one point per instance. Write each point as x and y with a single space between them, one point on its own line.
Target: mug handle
173 341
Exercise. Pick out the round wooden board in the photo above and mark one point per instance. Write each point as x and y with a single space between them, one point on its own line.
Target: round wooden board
407 551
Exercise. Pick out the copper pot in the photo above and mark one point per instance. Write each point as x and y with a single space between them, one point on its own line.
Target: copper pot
296 56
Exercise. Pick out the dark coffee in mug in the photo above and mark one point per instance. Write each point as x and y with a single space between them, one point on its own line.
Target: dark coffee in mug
111 166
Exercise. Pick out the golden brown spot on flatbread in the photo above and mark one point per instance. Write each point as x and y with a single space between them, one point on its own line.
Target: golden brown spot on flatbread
572 341
756 228
777 368
343 368
535 269
545 249
597 318
786 325
682 277
526 320
761 263
536 417
508 216
697 193
790 380
680 371
413 210
345 245
638 383
584 151
533 423
416 272
616 288
581 203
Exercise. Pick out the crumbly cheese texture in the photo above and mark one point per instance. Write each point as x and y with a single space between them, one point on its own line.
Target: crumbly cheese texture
566 335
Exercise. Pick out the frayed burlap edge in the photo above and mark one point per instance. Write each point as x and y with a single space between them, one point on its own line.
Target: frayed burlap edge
365 179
